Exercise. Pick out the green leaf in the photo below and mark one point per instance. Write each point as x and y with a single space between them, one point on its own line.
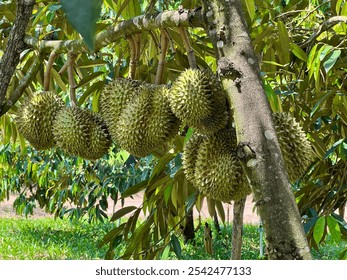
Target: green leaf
284 42
334 229
166 253
250 8
135 189
333 148
122 212
318 230
298 52
331 60
83 15
176 246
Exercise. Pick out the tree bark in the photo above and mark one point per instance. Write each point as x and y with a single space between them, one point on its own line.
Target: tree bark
236 239
258 148
14 46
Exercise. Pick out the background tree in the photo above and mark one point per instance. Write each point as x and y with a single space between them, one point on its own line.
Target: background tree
300 46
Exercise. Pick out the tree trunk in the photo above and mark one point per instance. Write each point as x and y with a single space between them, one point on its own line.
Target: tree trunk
216 223
258 148
14 46
236 239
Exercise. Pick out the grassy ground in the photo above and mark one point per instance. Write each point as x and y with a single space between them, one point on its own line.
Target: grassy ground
60 239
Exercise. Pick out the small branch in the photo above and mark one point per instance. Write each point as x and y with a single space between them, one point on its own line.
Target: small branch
15 45
188 46
161 64
132 63
63 69
324 27
236 239
172 44
70 71
47 75
23 84
146 22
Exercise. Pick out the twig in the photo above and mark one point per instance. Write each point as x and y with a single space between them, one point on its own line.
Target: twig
188 46
172 45
324 27
70 71
15 45
161 64
23 84
63 69
47 75
132 63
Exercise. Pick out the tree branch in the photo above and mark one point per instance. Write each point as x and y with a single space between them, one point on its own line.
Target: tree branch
324 27
14 46
47 75
164 42
132 63
146 22
23 84
188 46
70 71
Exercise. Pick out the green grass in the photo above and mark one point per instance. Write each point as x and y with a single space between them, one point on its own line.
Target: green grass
49 239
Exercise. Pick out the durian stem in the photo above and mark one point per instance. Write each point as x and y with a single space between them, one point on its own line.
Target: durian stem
161 64
172 44
70 71
189 49
137 38
47 75
23 84
132 63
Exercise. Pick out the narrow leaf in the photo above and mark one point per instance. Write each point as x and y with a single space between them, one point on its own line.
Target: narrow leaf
122 212
318 230
176 246
331 60
334 229
298 52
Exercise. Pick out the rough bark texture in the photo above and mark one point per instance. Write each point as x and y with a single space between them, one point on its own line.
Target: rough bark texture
258 148
236 239
180 18
14 46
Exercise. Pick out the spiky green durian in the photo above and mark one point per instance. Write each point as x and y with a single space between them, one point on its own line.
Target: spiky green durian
35 119
296 148
162 123
114 98
218 172
190 153
198 99
190 96
81 132
132 125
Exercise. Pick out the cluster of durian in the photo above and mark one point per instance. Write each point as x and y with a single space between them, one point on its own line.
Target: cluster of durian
296 148
138 115
211 165
45 122
198 100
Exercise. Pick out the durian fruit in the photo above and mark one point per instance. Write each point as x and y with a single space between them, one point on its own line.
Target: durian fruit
162 124
296 148
190 96
218 172
198 99
114 98
81 132
35 119
132 134
189 156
